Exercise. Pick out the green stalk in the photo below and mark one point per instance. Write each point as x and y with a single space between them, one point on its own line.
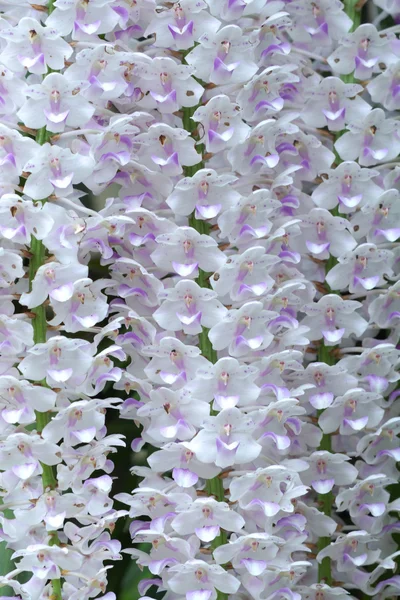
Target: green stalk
200 226
351 10
39 323
325 501
325 355
214 486
6 564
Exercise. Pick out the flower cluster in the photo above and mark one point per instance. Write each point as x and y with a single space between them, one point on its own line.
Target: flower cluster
236 296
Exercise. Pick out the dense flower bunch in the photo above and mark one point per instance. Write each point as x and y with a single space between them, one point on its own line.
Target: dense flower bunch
249 314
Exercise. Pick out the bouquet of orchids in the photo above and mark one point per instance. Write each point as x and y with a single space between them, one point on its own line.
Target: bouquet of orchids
235 297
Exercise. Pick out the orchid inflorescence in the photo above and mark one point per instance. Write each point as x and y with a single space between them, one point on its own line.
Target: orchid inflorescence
236 296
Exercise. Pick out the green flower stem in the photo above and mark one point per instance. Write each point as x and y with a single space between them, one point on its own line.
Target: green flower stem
214 486
6 564
353 10
39 323
325 501
325 355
